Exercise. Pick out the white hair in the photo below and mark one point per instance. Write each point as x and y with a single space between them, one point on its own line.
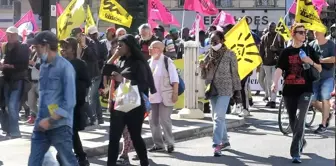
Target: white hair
144 26
120 30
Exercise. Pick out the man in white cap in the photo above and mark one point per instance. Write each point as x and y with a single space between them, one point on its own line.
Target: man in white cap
102 53
15 70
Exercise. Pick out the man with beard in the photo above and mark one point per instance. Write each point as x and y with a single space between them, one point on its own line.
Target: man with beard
146 39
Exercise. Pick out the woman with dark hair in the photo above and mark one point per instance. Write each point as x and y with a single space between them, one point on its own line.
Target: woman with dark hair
220 71
132 66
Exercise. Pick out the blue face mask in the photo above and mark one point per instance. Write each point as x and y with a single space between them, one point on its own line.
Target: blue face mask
44 57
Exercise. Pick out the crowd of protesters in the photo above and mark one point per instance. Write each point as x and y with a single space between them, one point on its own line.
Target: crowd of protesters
58 83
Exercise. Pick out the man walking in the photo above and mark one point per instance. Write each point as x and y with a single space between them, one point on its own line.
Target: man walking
54 122
15 71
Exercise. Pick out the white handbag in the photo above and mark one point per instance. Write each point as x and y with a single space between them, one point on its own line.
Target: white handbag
127 97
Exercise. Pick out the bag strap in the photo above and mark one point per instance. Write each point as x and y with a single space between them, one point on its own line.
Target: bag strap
166 64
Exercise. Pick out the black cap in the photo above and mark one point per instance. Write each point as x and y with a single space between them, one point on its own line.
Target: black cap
44 37
70 42
160 28
76 31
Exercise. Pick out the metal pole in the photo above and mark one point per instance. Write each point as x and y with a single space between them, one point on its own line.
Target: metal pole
49 17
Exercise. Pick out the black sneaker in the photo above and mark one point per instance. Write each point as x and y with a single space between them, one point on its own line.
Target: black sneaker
320 129
226 146
272 104
156 149
170 149
101 121
328 120
296 160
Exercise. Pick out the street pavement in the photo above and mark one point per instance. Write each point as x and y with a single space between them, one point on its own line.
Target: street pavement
257 143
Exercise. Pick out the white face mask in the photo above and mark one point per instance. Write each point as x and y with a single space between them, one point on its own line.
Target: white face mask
217 47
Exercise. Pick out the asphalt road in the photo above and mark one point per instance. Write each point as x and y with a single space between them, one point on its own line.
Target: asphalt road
258 143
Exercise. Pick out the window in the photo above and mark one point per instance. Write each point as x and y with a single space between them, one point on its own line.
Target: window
181 3
265 2
225 3
6 3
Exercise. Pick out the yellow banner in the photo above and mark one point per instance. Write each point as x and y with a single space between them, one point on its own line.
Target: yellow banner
89 19
306 14
72 17
283 30
240 40
112 11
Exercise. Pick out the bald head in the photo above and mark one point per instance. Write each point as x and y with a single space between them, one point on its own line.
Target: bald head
159 45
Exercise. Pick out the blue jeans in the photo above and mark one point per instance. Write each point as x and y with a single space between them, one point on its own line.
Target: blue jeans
94 100
323 88
219 106
11 114
60 138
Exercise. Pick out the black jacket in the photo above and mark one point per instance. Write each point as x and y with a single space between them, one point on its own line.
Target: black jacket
83 81
102 53
19 58
90 56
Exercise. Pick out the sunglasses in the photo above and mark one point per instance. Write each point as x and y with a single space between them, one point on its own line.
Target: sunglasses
301 32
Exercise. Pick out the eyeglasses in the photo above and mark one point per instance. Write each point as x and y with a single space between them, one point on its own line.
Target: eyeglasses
301 32
152 48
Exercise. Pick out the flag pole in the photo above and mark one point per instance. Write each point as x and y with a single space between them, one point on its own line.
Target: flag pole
276 36
182 22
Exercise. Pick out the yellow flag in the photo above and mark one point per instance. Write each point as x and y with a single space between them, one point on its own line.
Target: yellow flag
283 30
112 11
89 19
240 40
306 14
72 17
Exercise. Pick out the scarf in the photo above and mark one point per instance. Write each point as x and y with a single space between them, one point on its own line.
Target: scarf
214 57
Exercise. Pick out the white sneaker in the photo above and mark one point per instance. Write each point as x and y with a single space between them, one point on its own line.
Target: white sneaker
237 109
244 113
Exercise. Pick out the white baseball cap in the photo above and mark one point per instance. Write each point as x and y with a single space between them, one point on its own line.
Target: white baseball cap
12 29
92 30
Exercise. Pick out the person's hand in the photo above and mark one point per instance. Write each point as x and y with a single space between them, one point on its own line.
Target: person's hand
174 97
274 87
8 66
44 124
31 62
117 77
258 69
307 60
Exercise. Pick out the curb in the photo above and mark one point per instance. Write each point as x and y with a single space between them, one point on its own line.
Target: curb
178 135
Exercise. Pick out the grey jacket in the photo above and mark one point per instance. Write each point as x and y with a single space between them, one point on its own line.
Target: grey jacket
226 78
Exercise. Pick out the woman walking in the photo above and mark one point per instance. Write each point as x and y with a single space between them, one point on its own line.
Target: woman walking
220 71
293 62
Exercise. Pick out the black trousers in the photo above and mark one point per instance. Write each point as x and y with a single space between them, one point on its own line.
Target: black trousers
134 120
244 92
297 123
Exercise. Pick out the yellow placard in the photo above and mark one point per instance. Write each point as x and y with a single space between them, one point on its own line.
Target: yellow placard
89 21
307 14
283 30
52 108
240 40
112 11
72 17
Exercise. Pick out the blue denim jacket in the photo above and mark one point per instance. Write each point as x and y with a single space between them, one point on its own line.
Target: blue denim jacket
57 86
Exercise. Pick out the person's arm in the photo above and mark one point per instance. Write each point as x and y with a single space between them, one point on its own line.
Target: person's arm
173 77
331 58
262 47
313 59
90 52
69 98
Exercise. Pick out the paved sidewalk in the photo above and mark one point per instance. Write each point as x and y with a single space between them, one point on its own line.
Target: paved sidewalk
95 138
